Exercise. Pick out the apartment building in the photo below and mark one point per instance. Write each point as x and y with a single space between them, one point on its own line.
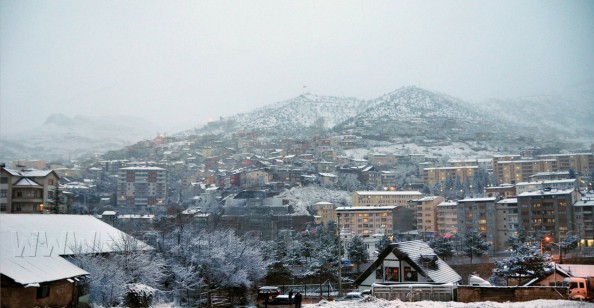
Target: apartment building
584 220
324 212
523 187
384 198
27 190
477 214
365 221
515 171
578 162
447 217
142 186
426 211
548 211
432 176
504 190
506 222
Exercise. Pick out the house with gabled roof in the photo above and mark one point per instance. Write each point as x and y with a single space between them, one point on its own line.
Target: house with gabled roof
407 262
35 267
27 190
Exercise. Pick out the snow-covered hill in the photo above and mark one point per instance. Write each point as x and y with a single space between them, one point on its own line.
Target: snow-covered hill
62 137
570 112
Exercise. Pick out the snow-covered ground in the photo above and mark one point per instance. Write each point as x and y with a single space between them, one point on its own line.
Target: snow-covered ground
302 197
380 303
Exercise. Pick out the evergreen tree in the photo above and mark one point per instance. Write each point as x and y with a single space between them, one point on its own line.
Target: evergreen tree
358 252
55 202
526 264
442 246
474 244
383 243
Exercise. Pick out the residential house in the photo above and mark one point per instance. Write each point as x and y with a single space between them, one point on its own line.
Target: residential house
28 190
324 212
411 261
34 262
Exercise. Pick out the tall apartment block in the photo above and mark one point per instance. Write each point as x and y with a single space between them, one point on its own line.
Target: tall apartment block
506 221
584 220
426 210
142 186
548 211
447 217
477 215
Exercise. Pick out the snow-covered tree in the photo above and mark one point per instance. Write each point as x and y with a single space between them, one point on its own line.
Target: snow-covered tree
442 246
349 182
129 267
358 252
383 242
527 263
474 244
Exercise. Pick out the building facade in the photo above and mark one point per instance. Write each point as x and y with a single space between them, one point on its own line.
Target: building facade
384 198
477 215
426 210
28 190
366 221
547 211
447 217
507 222
142 186
432 176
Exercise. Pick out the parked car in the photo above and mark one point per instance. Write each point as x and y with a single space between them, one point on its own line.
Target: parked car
282 299
268 292
351 296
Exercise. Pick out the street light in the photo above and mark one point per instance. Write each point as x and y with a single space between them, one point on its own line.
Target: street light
545 239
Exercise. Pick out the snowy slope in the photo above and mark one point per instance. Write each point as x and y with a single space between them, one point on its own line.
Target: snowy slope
61 137
303 111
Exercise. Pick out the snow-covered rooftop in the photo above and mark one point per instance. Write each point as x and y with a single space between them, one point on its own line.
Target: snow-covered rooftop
489 199
32 244
390 193
547 192
508 201
47 234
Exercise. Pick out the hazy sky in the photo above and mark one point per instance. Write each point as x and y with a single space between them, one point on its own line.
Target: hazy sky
181 62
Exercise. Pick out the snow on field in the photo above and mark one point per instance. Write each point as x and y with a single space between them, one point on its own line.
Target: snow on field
380 303
302 197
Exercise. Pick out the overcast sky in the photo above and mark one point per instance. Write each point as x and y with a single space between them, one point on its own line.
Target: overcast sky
183 62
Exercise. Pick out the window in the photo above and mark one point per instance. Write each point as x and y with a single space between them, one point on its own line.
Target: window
3 180
2 207
50 182
43 291
3 193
